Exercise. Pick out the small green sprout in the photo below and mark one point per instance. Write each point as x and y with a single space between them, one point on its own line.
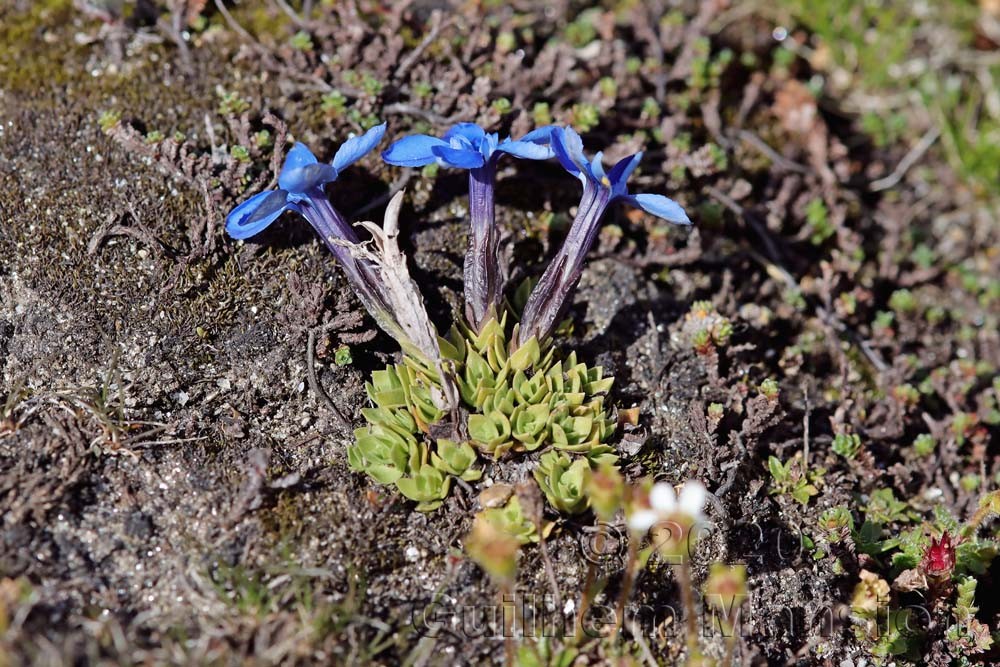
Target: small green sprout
883 320
924 445
430 170
501 105
371 84
342 357
651 108
423 89
847 445
541 113
262 139
847 303
903 301
108 120
231 104
506 42
906 394
769 389
706 328
608 88
835 524
581 31
154 137
333 103
790 479
301 41
584 116
240 153
818 220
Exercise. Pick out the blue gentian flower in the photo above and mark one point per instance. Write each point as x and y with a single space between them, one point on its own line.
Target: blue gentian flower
468 146
550 296
301 189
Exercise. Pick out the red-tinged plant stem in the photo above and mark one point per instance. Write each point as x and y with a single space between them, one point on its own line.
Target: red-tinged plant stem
682 571
588 583
630 566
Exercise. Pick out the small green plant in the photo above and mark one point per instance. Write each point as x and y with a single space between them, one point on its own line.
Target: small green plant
541 113
818 221
108 120
231 104
847 445
333 103
924 445
581 31
240 153
585 116
883 508
501 105
342 357
769 389
263 139
791 479
903 301
705 328
301 41
423 89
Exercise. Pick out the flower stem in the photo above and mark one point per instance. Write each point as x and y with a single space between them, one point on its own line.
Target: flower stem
588 583
507 622
730 649
630 566
682 571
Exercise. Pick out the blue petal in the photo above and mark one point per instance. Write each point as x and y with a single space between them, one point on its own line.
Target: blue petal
355 148
597 169
256 213
660 206
567 148
305 179
468 131
541 135
300 156
461 158
413 151
622 170
526 149
488 145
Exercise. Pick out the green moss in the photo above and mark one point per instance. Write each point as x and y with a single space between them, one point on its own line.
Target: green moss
27 60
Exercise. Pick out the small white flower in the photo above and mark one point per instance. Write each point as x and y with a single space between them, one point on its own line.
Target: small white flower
664 505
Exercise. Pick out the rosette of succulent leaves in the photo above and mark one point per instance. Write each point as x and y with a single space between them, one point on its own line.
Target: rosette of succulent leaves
495 385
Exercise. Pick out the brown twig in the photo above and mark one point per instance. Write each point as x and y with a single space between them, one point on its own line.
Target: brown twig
436 26
314 384
910 159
